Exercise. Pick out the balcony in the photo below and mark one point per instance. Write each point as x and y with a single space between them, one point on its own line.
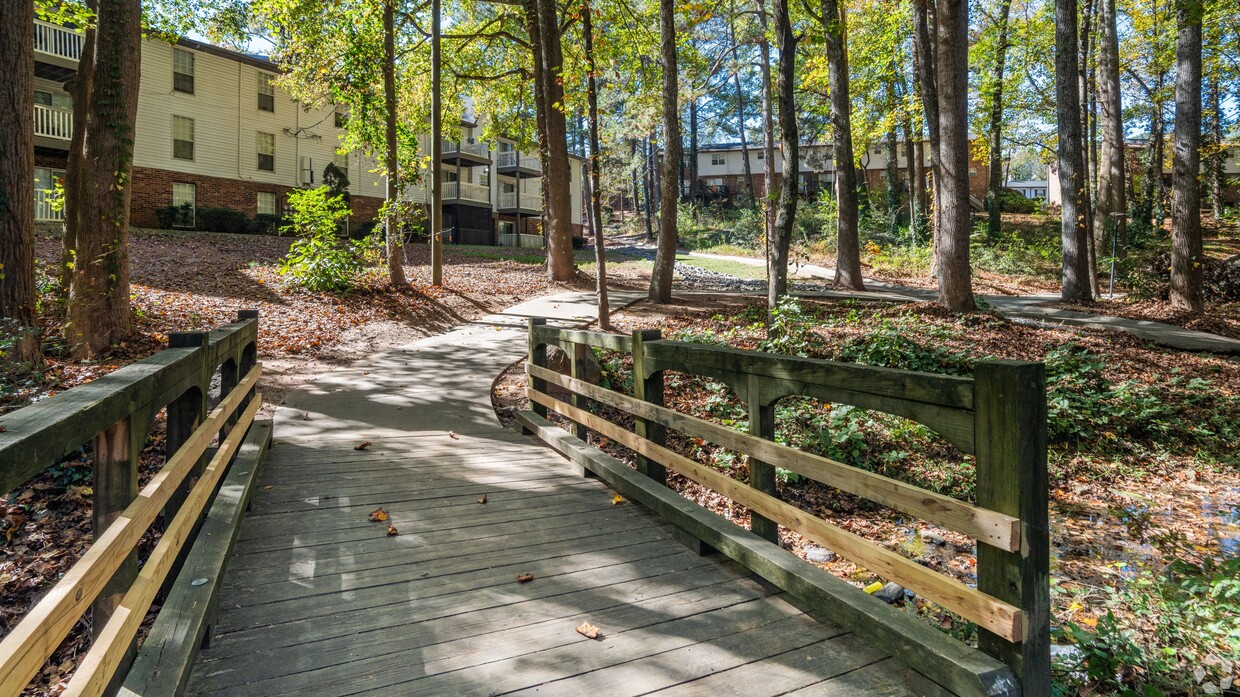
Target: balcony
50 122
514 163
466 192
468 154
58 43
529 203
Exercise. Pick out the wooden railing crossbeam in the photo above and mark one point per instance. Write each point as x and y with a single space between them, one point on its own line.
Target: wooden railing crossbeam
1003 619
25 649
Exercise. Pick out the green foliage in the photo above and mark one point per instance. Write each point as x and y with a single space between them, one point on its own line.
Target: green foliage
791 331
221 220
319 260
1178 636
174 216
1083 406
265 224
891 345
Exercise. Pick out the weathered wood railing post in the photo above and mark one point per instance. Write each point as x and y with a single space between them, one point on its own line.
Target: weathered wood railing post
184 415
115 487
247 362
761 474
1010 431
537 356
648 389
581 354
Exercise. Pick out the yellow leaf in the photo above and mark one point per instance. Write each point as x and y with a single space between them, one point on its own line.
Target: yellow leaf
1089 621
618 499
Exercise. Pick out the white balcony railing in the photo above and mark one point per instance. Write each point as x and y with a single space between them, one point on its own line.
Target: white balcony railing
509 199
52 40
515 240
479 149
52 122
511 158
43 209
467 191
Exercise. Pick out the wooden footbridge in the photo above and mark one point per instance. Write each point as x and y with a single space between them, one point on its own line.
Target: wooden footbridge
495 556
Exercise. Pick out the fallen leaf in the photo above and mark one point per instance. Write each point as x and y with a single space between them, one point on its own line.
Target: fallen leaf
392 532
525 578
378 515
483 499
453 435
305 416
267 488
617 499
363 446
588 630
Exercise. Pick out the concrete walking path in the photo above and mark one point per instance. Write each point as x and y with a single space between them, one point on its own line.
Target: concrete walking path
1027 307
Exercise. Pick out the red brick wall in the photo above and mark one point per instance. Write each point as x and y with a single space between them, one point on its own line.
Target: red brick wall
152 189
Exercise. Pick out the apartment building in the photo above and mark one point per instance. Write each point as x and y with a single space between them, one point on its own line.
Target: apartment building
215 131
721 170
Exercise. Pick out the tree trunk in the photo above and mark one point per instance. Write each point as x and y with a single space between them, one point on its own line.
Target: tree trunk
98 187
952 71
1214 165
1072 228
768 135
785 217
1086 210
395 250
994 202
924 66
647 146
1186 251
747 187
17 287
557 194
693 151
848 243
665 257
1112 189
892 175
920 195
596 158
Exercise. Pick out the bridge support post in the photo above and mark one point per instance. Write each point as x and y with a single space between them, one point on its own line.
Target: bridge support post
648 388
1010 432
581 354
761 474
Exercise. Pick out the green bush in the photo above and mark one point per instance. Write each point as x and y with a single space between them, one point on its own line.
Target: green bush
174 216
890 345
1015 202
265 224
221 220
319 260
1084 406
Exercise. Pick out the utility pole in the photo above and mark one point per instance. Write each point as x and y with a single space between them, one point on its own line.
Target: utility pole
436 151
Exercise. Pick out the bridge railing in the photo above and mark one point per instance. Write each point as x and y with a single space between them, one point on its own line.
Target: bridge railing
115 413
998 415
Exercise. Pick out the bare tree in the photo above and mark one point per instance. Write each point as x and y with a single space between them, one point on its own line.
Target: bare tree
17 288
665 256
1186 250
1071 167
952 75
97 193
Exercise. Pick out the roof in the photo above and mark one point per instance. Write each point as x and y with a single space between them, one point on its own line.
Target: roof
254 59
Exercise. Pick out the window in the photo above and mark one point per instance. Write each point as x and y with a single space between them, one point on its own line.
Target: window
341 119
266 92
761 154
266 203
267 152
717 160
183 197
182 138
307 170
341 160
182 71
484 176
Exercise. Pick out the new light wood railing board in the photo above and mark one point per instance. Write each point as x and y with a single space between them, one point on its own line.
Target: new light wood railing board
609 342
995 615
100 663
995 529
36 637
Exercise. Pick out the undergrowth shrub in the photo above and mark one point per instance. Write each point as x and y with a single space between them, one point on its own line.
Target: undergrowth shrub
891 345
319 260
1148 277
221 220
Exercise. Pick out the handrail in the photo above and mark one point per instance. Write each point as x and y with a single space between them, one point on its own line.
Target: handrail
52 122
115 411
57 41
999 414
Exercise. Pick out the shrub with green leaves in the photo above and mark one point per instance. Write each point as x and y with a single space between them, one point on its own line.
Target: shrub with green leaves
319 260
890 345
791 331
1083 405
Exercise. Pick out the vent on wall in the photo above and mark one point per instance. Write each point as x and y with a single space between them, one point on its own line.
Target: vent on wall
307 170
